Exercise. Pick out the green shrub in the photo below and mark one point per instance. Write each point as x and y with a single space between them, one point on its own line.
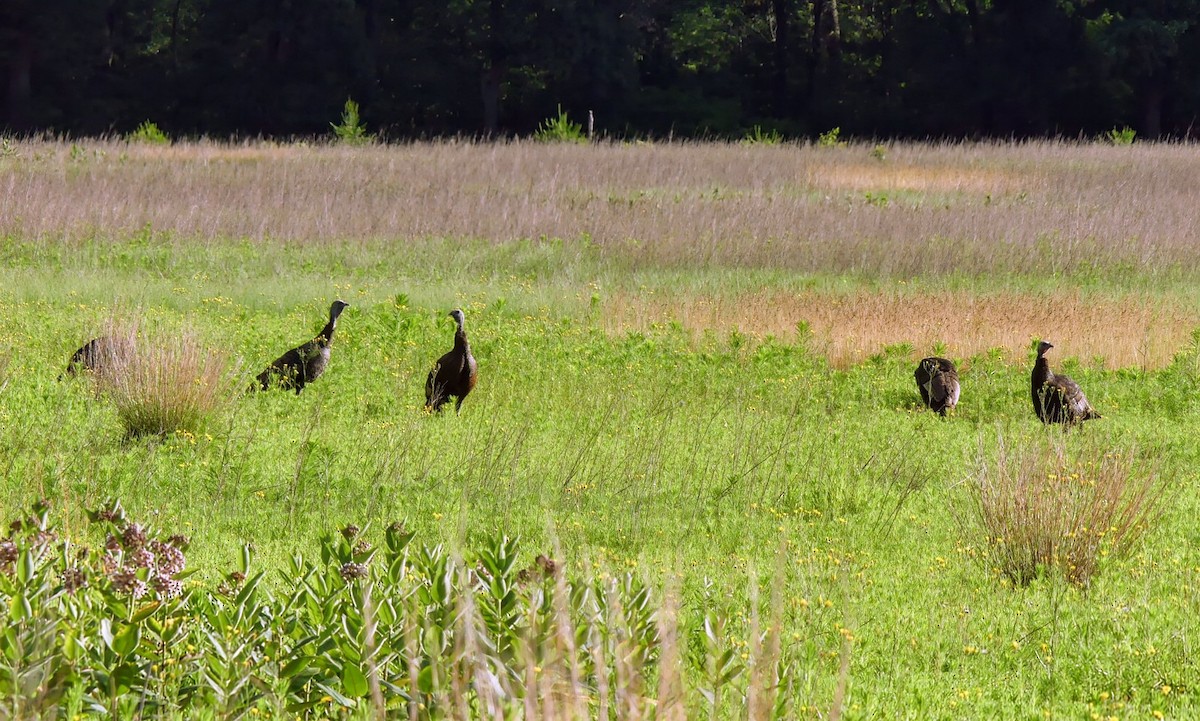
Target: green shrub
560 129
1121 136
758 136
351 131
830 139
150 134
398 630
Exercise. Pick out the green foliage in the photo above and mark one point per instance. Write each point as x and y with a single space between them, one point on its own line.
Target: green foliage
1052 507
114 627
149 133
1121 136
351 131
879 152
830 139
758 136
879 200
560 129
90 623
655 460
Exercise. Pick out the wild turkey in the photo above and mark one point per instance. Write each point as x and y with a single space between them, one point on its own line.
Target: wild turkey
95 355
937 379
306 362
454 374
1057 398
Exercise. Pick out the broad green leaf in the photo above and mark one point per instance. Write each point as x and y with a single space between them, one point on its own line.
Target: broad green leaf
425 680
295 666
19 608
25 567
106 632
127 640
144 612
353 681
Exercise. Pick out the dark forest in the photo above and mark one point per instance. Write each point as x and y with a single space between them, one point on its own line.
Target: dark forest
644 68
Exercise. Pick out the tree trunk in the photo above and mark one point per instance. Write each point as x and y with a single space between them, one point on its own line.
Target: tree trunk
490 88
494 74
815 49
175 38
835 31
986 119
780 9
1152 101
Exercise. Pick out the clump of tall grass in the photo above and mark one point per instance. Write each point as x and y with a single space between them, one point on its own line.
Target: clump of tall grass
162 384
1052 505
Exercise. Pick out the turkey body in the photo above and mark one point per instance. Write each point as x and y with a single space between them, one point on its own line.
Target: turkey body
96 355
306 362
1057 398
454 374
937 381
90 356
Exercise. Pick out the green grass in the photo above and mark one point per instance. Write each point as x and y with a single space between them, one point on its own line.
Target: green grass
656 452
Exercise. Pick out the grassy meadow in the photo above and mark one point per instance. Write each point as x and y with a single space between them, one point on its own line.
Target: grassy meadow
695 367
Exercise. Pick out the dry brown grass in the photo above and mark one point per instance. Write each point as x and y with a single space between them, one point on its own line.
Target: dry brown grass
162 385
1043 507
926 208
595 661
1129 331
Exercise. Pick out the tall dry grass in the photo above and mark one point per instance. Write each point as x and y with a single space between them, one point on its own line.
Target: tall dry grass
5 361
1133 330
927 208
1044 506
162 385
597 661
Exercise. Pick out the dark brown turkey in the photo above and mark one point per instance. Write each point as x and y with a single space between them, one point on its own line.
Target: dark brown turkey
1057 398
306 362
97 354
89 357
937 380
454 374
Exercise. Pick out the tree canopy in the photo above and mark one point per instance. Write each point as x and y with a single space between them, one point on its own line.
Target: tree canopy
419 68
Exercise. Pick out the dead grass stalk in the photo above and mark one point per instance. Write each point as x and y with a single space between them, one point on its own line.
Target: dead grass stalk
1050 505
162 385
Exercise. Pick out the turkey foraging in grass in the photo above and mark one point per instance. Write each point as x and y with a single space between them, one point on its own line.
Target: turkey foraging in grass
306 362
454 374
937 380
98 354
1057 398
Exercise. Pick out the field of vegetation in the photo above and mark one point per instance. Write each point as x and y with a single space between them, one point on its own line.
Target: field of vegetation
695 403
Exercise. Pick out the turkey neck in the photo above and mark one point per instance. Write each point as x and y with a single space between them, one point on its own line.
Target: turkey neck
460 341
326 335
1041 372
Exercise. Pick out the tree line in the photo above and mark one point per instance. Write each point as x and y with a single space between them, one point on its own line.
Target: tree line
686 68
